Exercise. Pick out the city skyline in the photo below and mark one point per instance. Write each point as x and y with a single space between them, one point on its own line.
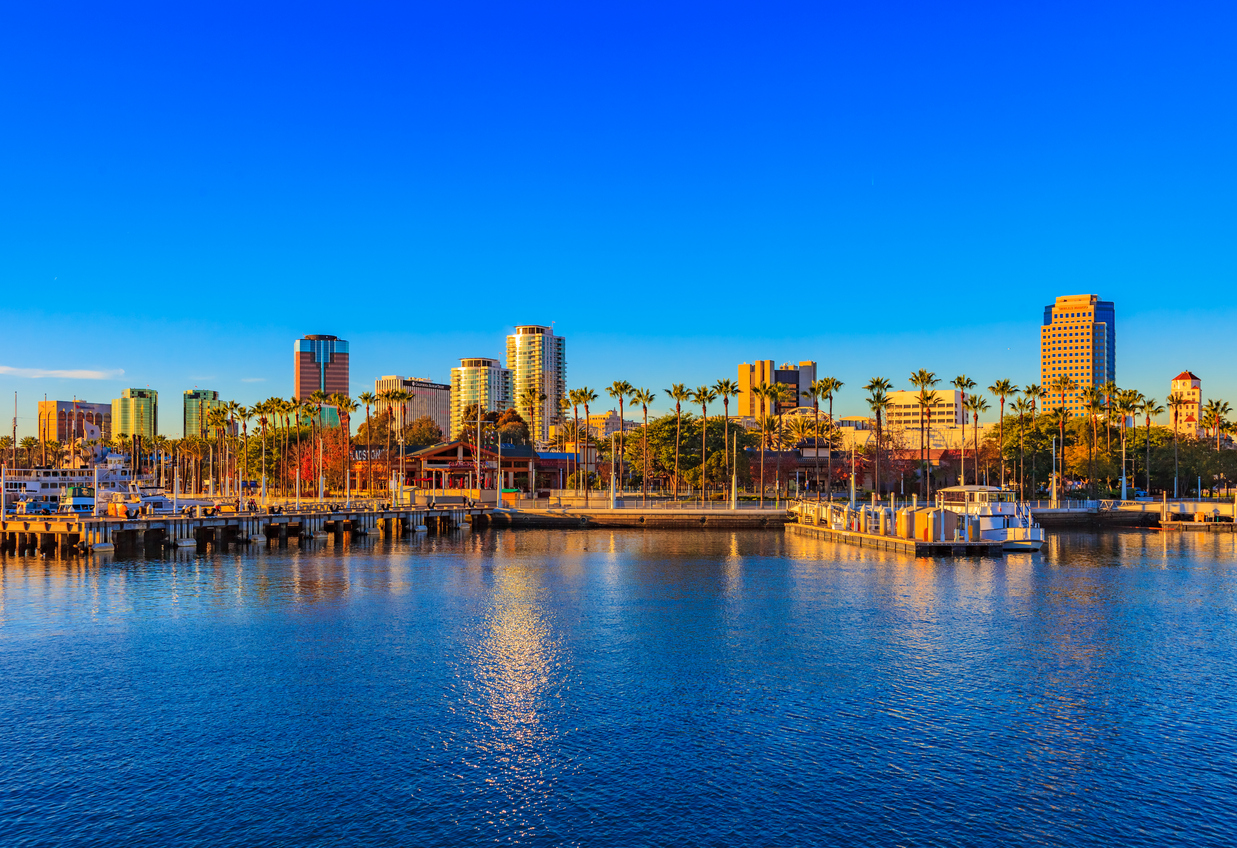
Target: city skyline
850 401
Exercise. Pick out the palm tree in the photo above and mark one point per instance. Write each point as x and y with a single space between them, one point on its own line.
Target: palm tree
1126 405
878 401
762 394
1109 390
586 396
1093 401
976 404
245 414
346 406
217 420
644 397
1213 418
1061 385
1150 409
924 380
369 399
1175 401
1021 408
780 394
678 393
770 434
619 390
533 400
816 390
1033 392
573 397
726 389
1002 389
704 396
963 384
400 398
27 444
830 387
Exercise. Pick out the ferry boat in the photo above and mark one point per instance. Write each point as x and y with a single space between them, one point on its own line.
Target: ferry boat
46 485
1000 516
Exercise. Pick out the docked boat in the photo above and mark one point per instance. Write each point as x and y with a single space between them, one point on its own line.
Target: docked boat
997 515
77 500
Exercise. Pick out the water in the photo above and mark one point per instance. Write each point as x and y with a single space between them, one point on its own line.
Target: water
618 689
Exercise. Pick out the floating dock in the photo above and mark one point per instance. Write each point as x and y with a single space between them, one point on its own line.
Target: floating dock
69 535
914 547
636 518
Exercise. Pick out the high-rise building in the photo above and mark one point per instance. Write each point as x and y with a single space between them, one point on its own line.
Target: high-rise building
136 413
197 406
761 373
1078 340
321 364
65 420
425 398
537 360
1189 414
480 381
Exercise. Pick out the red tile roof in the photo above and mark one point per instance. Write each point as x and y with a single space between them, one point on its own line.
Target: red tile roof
1185 375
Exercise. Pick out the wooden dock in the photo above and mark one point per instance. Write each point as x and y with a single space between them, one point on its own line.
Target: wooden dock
913 547
637 518
69 535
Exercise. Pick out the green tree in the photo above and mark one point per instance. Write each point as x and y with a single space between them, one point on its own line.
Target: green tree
924 380
644 397
1002 389
726 389
878 401
620 390
679 394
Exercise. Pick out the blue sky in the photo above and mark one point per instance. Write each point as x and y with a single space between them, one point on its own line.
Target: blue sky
185 189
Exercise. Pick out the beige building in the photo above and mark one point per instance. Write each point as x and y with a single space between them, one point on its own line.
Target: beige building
1189 419
478 381
537 360
65 420
903 411
761 373
1078 339
427 398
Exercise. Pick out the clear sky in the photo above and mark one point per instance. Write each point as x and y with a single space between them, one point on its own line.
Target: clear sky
187 188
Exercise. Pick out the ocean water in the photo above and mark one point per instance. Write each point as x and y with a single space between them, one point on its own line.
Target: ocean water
601 688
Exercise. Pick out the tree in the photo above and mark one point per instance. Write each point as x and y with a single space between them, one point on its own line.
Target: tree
829 387
1126 404
423 431
976 404
1093 402
678 393
1150 409
818 390
368 399
726 389
573 397
878 401
1060 385
1033 392
1213 418
1002 389
644 397
924 380
963 384
532 399
619 390
704 396
1021 408
586 396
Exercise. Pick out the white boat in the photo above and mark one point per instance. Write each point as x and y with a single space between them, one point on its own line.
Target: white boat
997 515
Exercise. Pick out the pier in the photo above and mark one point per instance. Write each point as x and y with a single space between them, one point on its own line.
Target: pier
61 536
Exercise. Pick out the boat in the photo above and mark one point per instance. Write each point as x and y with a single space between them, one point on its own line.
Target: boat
76 500
997 514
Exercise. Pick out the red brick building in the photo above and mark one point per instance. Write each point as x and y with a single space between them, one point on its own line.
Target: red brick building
321 363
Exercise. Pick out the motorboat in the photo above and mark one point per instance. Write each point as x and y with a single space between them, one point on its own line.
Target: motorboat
997 515
76 500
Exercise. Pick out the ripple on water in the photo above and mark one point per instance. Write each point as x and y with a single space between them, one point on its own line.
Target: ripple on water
643 688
